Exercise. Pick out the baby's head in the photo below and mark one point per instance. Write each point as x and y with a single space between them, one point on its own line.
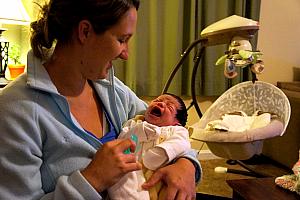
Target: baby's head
166 110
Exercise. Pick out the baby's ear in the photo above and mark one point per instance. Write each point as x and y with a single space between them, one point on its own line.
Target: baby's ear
178 124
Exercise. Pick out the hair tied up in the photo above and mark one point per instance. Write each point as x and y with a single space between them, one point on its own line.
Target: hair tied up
40 33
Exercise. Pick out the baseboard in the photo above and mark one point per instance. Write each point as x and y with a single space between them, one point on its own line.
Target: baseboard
206 155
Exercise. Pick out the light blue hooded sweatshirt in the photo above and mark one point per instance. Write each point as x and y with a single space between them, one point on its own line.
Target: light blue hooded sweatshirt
43 147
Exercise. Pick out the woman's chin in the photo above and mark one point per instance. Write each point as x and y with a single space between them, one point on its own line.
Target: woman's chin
103 75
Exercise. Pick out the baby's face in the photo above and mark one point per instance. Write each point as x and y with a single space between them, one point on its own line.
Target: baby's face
162 111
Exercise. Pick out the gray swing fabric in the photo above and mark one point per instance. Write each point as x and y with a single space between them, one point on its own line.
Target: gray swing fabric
165 28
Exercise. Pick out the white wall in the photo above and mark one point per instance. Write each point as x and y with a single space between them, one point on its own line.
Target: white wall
278 39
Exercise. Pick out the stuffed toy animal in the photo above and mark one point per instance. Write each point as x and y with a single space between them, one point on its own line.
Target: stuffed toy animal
291 181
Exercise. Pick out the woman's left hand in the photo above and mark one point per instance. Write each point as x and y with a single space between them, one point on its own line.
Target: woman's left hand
178 178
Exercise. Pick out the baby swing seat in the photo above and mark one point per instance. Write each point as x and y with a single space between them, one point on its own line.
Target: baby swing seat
248 97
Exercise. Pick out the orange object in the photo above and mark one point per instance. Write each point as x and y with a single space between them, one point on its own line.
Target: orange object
15 70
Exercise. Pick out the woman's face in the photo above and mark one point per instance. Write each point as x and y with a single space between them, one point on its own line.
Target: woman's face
162 111
110 45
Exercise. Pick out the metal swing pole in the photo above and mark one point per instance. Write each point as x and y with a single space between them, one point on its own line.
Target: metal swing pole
180 62
197 58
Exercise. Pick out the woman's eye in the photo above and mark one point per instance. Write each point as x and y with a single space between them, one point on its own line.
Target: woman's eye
122 41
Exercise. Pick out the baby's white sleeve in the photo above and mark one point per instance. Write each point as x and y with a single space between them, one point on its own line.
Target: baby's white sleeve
155 158
173 142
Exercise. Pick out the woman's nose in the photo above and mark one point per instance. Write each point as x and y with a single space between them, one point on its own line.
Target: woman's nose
124 53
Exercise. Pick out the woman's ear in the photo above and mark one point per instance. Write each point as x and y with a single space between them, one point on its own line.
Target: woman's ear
177 123
84 30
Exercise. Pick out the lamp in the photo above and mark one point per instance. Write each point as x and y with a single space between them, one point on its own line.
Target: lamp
11 12
233 29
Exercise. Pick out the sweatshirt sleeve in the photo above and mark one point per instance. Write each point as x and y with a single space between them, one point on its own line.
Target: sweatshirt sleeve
74 186
192 156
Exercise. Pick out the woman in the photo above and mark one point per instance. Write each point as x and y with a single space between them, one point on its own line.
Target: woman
62 117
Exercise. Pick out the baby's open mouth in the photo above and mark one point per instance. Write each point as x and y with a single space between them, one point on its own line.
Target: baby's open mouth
156 111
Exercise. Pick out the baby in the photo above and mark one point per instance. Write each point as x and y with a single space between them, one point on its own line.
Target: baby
161 137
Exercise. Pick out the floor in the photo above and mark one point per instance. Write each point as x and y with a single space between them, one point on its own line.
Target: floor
214 184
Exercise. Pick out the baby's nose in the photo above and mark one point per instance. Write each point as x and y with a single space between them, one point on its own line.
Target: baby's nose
161 104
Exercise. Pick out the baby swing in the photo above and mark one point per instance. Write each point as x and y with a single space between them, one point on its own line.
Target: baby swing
247 97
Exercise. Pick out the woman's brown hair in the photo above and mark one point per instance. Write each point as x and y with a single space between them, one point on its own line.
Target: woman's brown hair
59 18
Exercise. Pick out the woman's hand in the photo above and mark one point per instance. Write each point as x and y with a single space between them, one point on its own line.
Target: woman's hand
110 164
178 178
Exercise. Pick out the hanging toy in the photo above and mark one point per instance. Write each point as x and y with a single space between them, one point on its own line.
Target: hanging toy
258 67
229 70
240 54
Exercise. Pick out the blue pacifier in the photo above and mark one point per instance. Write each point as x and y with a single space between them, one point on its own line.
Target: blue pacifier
135 139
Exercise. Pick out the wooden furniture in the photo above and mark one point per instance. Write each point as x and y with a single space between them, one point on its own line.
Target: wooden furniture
285 149
202 196
259 188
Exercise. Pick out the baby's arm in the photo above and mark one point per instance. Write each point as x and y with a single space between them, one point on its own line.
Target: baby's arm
173 142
